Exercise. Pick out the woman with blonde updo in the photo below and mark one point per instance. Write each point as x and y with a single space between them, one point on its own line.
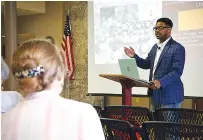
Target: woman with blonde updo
44 115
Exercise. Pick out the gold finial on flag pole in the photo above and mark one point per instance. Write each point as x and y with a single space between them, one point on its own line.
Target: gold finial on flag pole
67 11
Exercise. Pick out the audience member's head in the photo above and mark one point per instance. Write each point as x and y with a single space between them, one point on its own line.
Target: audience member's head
51 39
36 65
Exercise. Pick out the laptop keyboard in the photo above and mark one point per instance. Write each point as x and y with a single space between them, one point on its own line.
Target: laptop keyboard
145 81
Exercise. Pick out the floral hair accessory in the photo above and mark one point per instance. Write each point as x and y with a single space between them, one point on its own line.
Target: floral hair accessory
30 73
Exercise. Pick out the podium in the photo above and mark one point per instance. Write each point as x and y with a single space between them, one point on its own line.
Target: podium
127 84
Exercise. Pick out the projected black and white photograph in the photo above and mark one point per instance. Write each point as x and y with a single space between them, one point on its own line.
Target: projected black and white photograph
122 25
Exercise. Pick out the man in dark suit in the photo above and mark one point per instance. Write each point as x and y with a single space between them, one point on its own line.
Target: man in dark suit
166 63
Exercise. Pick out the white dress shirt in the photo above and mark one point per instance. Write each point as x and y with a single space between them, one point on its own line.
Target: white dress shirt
158 53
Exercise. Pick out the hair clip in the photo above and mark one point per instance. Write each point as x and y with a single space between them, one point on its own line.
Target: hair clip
30 73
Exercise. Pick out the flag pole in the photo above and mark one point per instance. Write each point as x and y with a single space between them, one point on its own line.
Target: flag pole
67 84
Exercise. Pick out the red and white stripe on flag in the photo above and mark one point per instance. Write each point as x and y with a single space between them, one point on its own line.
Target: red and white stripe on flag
67 47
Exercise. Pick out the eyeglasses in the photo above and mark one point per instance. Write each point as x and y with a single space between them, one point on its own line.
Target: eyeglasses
160 27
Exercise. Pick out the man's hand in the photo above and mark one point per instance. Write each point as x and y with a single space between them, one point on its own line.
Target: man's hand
156 85
129 51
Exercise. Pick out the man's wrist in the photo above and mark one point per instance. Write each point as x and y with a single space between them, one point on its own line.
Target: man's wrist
133 56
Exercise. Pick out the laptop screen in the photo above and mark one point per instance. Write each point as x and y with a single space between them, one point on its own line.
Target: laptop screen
129 68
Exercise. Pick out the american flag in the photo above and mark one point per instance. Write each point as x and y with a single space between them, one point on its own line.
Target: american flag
67 47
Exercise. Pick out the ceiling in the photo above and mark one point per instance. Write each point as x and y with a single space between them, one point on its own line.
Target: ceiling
27 8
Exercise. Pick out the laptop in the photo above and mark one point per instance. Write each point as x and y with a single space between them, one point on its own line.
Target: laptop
129 68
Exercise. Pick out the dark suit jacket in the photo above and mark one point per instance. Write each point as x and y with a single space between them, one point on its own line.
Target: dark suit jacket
168 71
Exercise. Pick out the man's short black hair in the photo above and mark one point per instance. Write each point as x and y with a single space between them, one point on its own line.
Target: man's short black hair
167 21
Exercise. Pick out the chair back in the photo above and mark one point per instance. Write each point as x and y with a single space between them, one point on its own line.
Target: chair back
155 130
135 115
117 129
99 110
179 115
